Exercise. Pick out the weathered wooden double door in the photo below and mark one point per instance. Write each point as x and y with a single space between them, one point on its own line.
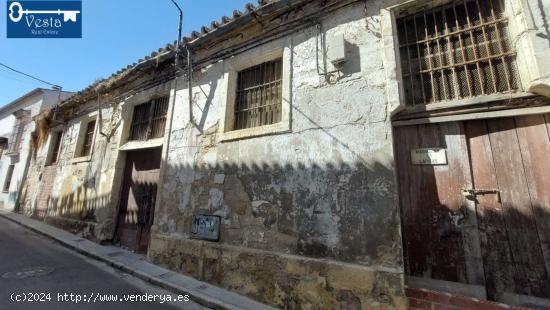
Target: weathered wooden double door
482 214
138 196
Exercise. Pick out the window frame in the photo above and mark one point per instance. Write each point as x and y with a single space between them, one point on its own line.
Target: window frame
275 83
489 63
392 61
56 138
84 121
232 66
16 139
88 139
9 178
153 102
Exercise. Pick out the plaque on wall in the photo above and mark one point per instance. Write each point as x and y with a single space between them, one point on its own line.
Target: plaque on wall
206 227
429 156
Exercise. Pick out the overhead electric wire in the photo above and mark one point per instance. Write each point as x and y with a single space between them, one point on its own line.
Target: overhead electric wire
11 77
28 75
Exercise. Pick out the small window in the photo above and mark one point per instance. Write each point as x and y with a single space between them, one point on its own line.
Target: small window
7 182
2 147
459 50
88 139
56 147
149 120
259 92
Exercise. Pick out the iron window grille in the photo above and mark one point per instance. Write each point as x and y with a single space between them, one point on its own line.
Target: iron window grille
258 100
458 50
7 182
149 120
88 139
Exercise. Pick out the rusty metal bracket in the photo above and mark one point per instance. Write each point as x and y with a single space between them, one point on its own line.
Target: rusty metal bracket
472 193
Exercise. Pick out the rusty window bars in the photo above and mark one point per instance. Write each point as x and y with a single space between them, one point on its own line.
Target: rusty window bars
458 50
149 120
258 100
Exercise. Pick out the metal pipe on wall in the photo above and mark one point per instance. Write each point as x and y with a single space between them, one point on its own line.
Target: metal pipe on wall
190 83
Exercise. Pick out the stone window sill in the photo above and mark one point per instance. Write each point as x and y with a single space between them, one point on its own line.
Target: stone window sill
278 128
81 159
405 110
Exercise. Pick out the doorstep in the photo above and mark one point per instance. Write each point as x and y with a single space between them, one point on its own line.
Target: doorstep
200 292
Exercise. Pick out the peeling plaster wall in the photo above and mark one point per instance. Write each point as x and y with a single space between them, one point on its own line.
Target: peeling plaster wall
82 197
309 218
85 192
539 11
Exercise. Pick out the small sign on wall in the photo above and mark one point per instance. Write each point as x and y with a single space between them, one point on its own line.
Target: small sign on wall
429 156
206 227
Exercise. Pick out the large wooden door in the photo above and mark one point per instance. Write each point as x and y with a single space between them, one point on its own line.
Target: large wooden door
137 204
483 217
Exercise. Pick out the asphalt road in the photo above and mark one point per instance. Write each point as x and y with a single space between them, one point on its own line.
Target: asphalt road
33 267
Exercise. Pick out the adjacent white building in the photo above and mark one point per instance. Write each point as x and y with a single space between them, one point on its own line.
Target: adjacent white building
16 126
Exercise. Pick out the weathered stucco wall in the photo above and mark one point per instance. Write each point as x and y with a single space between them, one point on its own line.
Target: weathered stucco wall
82 193
309 217
85 191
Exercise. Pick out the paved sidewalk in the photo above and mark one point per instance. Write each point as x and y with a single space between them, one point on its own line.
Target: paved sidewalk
200 292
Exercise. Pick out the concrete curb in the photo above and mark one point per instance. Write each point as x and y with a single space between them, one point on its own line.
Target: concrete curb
200 292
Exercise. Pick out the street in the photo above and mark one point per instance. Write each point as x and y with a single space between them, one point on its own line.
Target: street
35 268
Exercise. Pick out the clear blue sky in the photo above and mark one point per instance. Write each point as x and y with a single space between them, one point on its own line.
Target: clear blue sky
115 33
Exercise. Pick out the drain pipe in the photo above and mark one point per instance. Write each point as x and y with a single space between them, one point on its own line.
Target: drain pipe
176 64
178 41
190 83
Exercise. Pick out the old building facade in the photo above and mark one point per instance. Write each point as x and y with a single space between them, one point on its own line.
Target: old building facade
340 145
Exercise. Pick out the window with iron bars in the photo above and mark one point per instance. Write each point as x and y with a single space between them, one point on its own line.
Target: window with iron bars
88 139
149 120
258 101
458 50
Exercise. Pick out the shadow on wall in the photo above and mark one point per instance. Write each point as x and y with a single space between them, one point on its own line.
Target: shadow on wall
344 212
78 205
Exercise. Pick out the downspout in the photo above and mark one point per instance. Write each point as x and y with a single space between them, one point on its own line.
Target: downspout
176 64
168 133
190 83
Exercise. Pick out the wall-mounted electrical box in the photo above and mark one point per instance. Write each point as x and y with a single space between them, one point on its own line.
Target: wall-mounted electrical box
336 52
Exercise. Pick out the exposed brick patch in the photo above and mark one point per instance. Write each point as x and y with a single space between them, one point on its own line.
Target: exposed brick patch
423 299
46 181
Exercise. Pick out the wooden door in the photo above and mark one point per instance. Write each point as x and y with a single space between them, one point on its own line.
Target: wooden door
138 196
483 217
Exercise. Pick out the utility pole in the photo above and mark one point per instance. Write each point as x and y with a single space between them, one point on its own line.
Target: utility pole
179 35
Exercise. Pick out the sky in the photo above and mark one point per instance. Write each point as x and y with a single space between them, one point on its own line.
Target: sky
115 33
